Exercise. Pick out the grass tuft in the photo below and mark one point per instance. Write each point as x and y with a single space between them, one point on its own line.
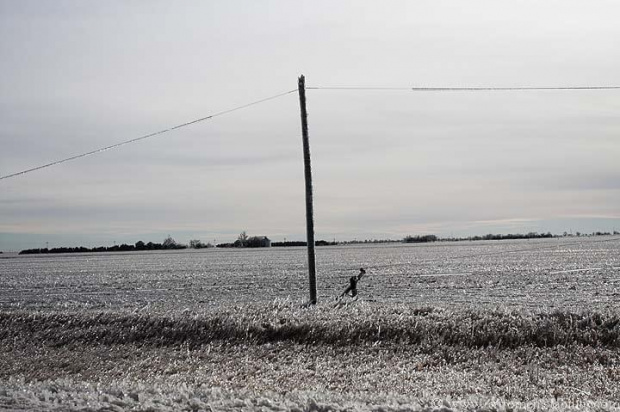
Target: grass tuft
277 322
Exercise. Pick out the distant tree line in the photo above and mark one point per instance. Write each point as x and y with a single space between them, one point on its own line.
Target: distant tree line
420 239
490 236
615 232
261 241
197 244
530 235
365 241
243 240
302 243
168 244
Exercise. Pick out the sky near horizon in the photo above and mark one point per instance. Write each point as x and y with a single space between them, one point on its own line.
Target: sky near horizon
79 75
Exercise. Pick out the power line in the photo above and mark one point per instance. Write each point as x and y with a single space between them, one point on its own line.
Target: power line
465 89
103 149
416 89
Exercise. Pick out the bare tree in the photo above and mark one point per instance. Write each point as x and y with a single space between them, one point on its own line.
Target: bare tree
242 240
169 243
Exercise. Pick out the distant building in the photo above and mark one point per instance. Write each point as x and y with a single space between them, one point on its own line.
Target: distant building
254 241
260 241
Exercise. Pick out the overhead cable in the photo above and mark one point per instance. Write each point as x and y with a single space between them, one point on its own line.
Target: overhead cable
465 89
103 149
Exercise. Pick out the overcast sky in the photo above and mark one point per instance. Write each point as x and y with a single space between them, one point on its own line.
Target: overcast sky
79 75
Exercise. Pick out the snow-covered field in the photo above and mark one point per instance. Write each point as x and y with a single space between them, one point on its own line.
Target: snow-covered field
531 325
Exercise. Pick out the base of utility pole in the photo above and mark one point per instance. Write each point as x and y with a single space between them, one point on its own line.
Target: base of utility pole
308 179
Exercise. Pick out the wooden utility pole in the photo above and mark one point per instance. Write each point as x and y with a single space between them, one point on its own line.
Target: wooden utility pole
308 178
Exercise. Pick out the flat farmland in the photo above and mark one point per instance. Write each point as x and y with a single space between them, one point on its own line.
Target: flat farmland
574 273
463 326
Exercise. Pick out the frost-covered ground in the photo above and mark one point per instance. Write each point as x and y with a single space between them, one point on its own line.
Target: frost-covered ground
281 357
486 327
571 273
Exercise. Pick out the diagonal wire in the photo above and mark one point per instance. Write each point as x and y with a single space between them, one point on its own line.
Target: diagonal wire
492 89
103 149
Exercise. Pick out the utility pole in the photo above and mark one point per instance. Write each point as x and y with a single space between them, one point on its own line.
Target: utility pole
308 178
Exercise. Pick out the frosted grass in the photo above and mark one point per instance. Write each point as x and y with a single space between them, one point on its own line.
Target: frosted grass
357 324
70 395
281 357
